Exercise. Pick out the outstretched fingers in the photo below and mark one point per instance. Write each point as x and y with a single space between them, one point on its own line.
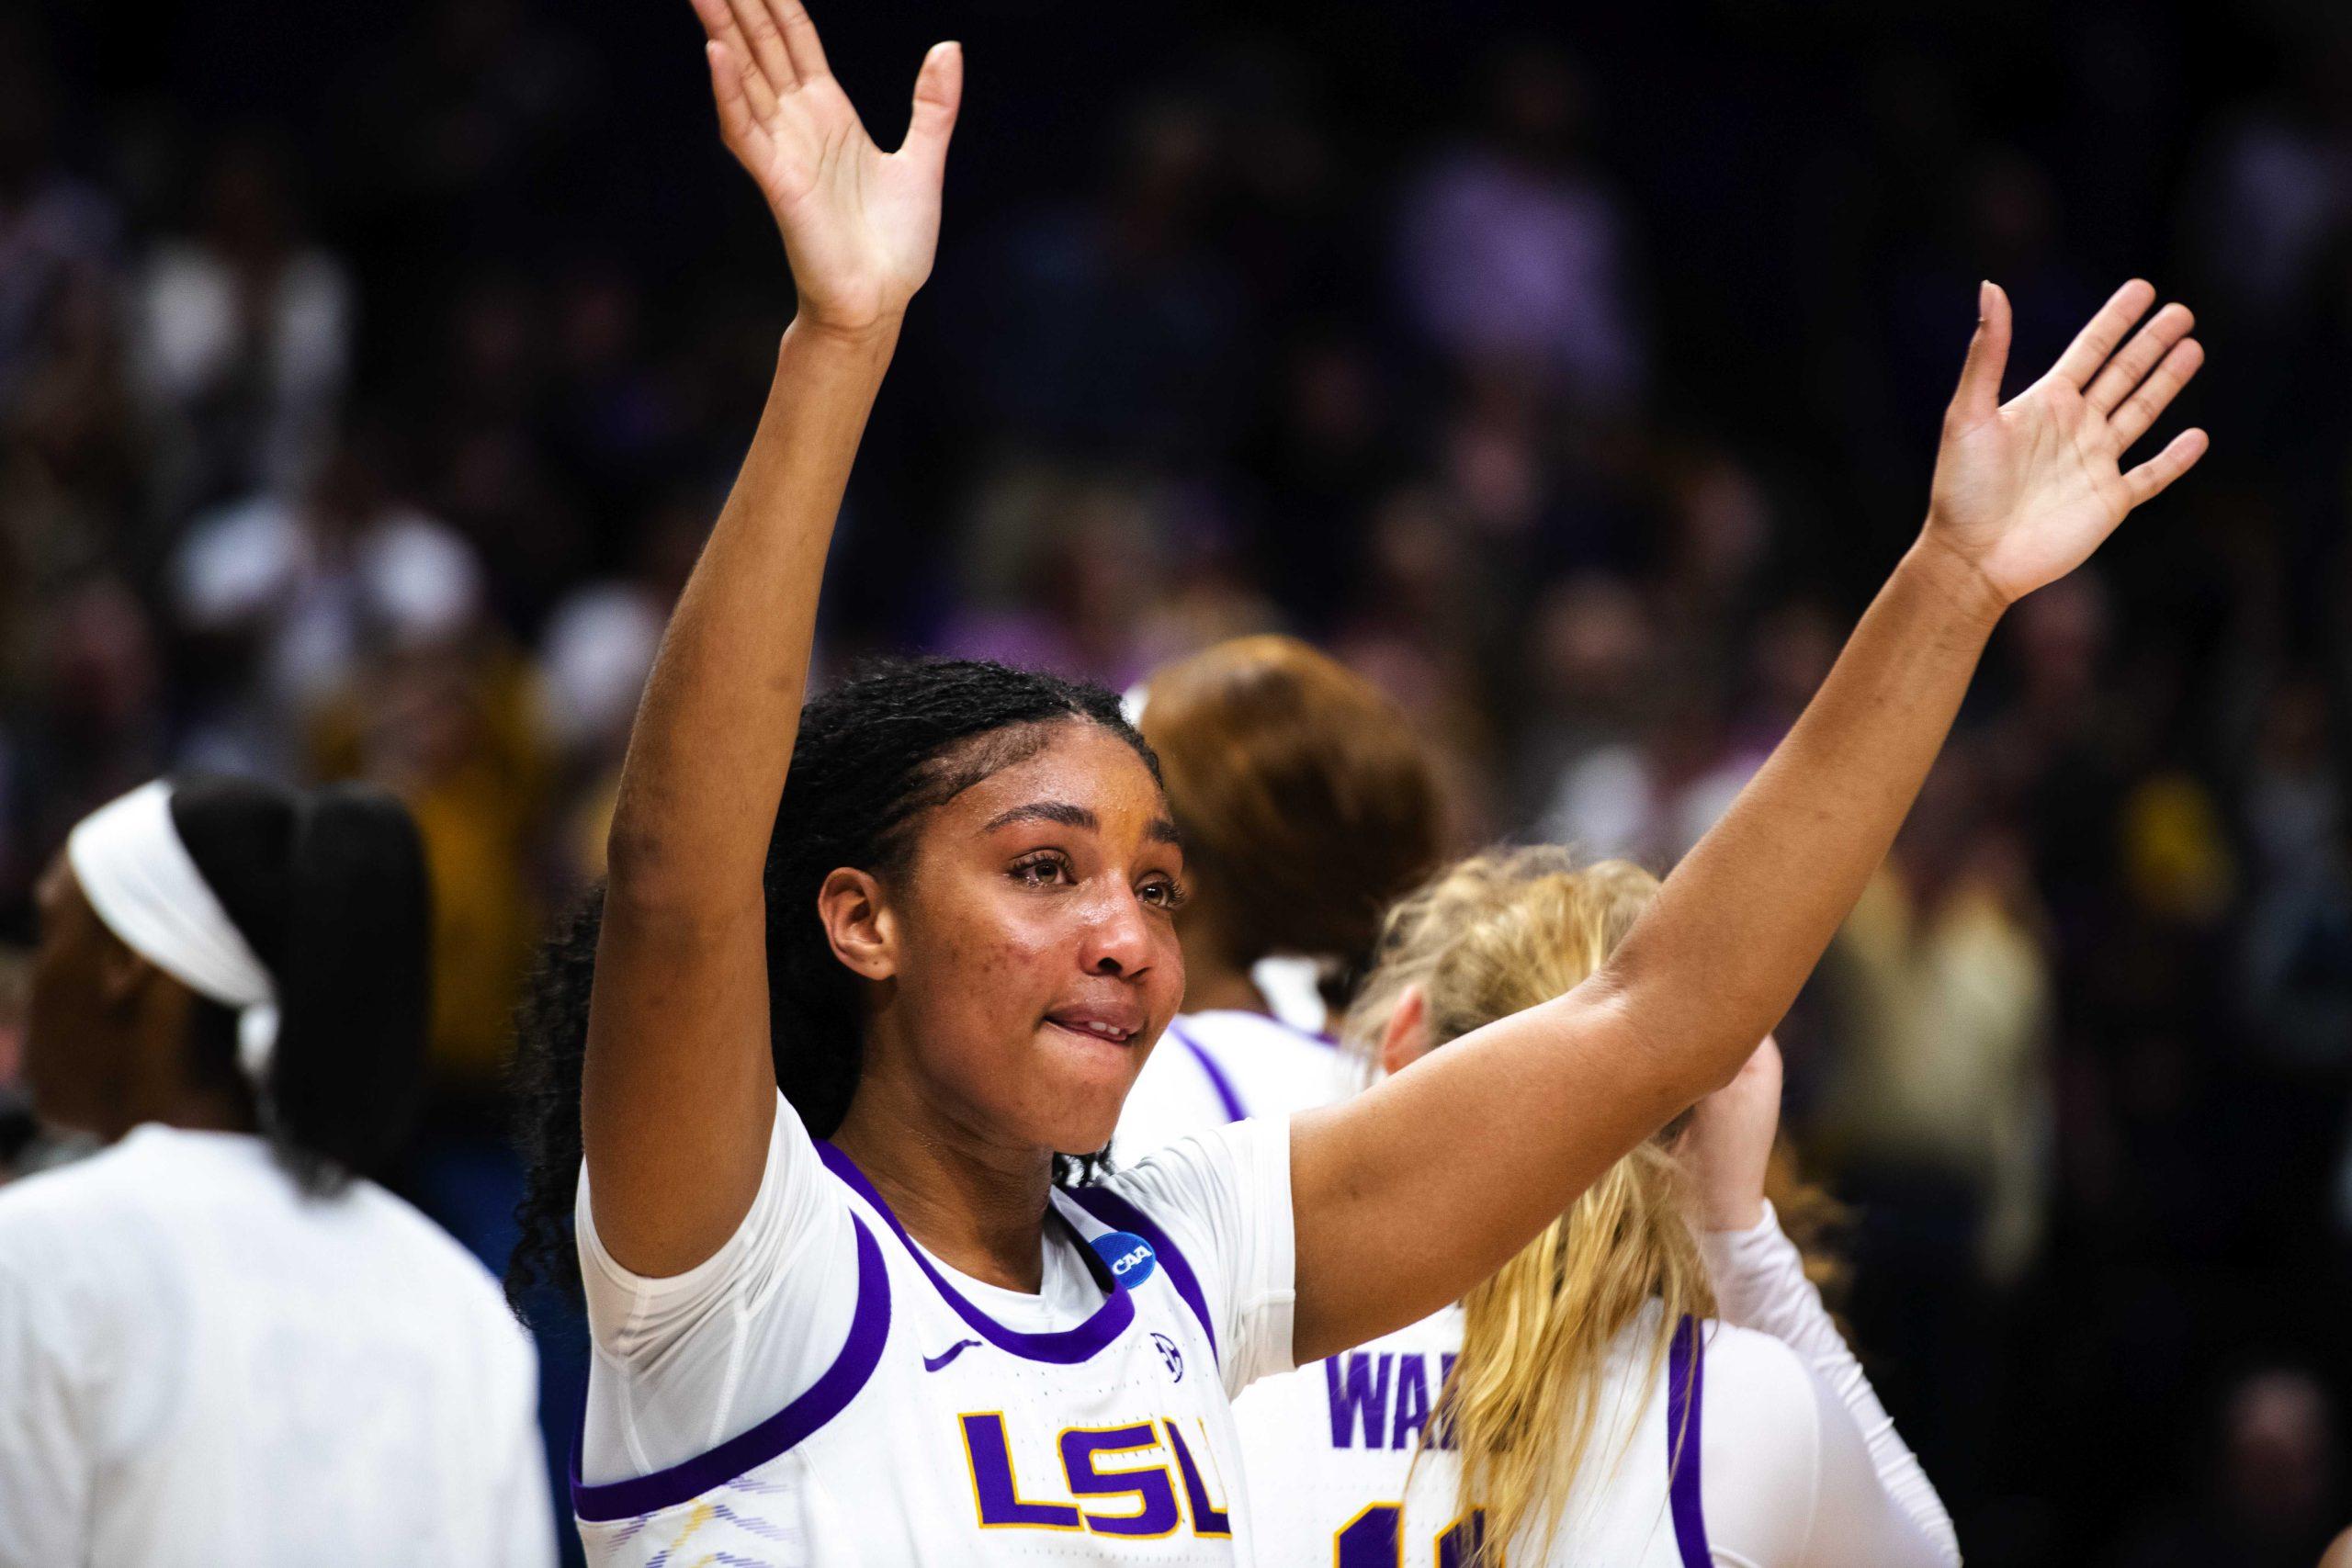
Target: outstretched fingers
1979 396
2150 479
2097 341
719 25
766 40
2141 408
735 118
939 92
2142 354
799 35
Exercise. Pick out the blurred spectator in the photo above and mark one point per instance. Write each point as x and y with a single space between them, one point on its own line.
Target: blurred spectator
1510 247
94 725
2272 1496
58 234
1113 327
287 595
243 335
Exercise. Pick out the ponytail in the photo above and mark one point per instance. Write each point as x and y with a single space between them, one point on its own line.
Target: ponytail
329 888
354 991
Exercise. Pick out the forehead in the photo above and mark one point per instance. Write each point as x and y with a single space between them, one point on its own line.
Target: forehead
1073 763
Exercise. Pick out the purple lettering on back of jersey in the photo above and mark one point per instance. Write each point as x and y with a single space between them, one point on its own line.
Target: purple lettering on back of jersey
1412 1400
1360 1399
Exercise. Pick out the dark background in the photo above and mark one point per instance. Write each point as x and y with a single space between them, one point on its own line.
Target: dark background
368 373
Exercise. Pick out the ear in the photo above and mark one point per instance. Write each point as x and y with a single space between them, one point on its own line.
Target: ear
858 923
1407 1038
123 973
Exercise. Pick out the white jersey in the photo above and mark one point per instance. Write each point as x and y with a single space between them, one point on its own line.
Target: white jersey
1212 1068
866 1405
1738 1452
200 1364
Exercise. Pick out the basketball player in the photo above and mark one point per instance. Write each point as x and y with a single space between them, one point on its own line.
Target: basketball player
1306 806
948 944
1592 1402
218 1342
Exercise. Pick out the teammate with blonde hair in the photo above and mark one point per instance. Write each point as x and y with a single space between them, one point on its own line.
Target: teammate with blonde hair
1652 1380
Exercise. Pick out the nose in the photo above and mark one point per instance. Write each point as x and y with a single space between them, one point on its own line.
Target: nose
1118 937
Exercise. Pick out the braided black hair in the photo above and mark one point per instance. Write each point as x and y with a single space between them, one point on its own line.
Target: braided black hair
897 739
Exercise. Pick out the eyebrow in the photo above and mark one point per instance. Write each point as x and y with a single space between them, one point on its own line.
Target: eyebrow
1160 829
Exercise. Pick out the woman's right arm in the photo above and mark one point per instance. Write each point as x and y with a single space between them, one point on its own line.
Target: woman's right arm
1872 1501
678 1091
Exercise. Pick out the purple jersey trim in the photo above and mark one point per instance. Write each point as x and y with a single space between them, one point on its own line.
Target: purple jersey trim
869 1329
1066 1347
1218 1080
1118 1213
1685 1382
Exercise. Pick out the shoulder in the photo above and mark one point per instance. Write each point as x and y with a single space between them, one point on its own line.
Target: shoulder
93 1203
1204 1173
1760 1444
1753 1382
438 1263
86 1248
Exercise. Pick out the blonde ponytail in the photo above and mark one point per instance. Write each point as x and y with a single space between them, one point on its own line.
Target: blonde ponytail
1495 935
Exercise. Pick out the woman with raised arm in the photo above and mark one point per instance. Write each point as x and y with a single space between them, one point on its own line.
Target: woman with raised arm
935 911
1651 1383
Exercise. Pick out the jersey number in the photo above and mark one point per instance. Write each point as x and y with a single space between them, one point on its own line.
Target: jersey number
1374 1539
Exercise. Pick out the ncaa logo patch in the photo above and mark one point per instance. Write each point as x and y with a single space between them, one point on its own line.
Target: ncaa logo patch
1127 1256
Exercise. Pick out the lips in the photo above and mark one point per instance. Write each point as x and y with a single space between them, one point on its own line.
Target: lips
1115 1026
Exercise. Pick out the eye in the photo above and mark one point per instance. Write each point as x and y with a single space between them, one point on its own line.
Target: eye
1162 893
1046 870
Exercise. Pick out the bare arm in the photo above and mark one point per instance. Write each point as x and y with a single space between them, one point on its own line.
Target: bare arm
1406 1196
678 1091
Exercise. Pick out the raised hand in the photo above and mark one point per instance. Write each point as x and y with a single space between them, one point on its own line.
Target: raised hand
2025 490
1727 1147
860 225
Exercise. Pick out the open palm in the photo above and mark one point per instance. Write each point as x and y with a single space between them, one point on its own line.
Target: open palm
2026 490
860 225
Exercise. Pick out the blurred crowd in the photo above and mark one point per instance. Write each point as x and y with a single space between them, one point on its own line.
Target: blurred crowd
367 381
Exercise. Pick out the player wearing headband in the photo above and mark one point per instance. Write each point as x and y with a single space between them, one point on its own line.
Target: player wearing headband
937 913
218 1341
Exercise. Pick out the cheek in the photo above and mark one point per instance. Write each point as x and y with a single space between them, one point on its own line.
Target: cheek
986 956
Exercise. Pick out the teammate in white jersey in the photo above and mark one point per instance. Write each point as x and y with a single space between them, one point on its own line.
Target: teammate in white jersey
1599 1400
1308 806
218 1344
937 912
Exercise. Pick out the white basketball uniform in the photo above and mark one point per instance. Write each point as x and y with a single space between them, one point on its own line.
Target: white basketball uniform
929 1430
1760 1445
1212 1068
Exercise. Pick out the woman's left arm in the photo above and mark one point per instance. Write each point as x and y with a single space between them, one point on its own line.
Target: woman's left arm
1406 1196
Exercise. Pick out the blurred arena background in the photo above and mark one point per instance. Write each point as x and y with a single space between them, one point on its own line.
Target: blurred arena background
368 374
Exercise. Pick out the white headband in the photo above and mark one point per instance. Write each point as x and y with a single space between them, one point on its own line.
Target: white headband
140 881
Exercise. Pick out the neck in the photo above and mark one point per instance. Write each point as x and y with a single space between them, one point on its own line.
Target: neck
1214 982
168 1086
977 1206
